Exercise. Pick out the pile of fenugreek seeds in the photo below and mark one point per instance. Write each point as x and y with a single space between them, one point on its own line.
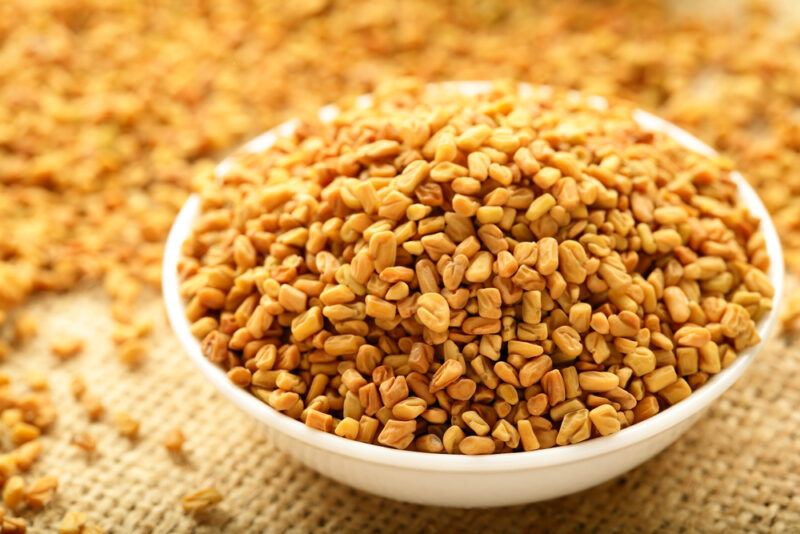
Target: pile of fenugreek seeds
474 275
108 108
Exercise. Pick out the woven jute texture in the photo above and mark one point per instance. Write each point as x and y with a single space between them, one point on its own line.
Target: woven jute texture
737 470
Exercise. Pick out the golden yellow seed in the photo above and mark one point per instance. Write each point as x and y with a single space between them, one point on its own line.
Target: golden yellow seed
40 492
66 346
476 423
23 432
73 522
201 500
126 425
84 441
540 206
347 428
433 312
476 445
174 441
14 492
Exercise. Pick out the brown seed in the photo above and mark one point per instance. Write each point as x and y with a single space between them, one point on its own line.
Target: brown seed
73 523
433 312
41 492
14 492
568 340
397 434
201 500
553 386
319 420
677 304
660 378
474 445
450 371
692 336
476 423
84 441
534 370
574 428
126 425
604 419
66 346
174 441
598 381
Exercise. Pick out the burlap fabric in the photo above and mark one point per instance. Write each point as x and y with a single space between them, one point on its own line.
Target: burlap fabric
738 469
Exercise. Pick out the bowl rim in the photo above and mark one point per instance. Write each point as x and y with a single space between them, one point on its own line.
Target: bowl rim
639 432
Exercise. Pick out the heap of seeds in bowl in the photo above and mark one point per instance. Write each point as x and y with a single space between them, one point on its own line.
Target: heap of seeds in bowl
474 274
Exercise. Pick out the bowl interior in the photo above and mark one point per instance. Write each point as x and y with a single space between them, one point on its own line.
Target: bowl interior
697 401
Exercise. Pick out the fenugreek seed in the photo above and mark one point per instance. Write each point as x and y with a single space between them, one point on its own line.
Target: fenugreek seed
692 336
397 434
480 269
73 522
41 492
574 428
14 492
474 445
367 428
320 421
598 381
240 376
641 361
343 345
433 312
527 436
473 420
292 298
489 303
307 323
568 341
451 439
645 408
393 390
450 371
580 316
558 412
65 347
409 409
23 432
604 419
540 206
710 361
662 377
201 500
26 454
677 304
126 425
533 371
174 441
547 261
84 441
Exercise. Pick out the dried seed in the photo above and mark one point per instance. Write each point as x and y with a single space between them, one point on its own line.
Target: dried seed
201 500
458 260
604 419
474 445
433 312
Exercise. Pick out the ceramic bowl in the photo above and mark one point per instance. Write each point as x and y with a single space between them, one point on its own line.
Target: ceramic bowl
472 481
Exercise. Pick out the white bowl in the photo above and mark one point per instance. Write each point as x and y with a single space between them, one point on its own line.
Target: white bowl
469 481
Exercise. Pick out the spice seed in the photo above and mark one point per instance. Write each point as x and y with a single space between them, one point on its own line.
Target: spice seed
489 285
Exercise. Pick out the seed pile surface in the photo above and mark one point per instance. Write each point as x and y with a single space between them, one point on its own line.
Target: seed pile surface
474 275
